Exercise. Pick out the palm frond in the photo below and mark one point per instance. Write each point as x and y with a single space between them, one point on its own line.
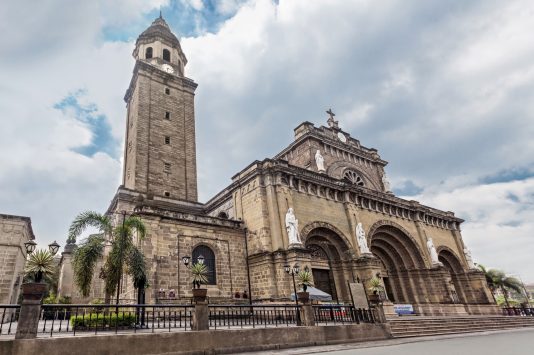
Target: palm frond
41 263
513 284
137 267
88 219
84 262
200 272
136 223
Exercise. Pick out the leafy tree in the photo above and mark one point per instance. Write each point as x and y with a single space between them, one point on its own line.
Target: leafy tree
497 279
123 251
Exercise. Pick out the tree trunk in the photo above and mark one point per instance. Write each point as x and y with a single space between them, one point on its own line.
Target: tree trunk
505 296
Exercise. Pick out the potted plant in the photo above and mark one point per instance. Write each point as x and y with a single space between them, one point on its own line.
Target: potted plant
375 286
304 280
199 272
39 265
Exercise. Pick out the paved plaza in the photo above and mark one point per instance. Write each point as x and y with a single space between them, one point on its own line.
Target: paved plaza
510 342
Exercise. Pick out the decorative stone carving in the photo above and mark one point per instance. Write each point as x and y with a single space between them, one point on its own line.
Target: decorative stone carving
319 160
385 182
353 177
469 259
292 227
433 253
362 240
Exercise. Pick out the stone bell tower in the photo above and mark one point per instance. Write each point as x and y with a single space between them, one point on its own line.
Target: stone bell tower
160 151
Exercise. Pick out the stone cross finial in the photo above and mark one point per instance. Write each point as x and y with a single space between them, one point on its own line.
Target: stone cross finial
332 123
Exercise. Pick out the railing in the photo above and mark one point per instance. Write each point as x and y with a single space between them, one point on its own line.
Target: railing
84 319
241 316
9 316
518 311
341 314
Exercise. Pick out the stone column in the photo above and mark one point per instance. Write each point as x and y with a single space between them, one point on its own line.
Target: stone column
30 310
200 319
307 318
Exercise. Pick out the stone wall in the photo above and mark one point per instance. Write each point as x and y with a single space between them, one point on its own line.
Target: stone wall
14 232
198 342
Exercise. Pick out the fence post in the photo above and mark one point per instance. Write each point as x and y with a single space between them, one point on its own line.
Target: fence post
200 319
379 314
307 318
30 310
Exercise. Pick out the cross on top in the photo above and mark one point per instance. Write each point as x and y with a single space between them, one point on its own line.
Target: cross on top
332 123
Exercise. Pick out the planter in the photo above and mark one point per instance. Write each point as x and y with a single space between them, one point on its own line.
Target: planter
304 297
199 294
374 298
34 291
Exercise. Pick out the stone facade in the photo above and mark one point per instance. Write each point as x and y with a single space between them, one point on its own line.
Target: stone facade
331 181
14 232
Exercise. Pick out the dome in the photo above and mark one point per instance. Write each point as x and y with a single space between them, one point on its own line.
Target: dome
158 29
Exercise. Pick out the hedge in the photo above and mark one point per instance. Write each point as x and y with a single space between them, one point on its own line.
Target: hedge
92 320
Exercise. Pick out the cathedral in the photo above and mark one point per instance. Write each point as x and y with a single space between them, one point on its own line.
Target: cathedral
323 202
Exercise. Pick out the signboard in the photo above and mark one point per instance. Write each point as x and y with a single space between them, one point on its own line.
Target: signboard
403 309
359 299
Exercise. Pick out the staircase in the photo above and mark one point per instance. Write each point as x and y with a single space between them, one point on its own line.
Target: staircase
417 326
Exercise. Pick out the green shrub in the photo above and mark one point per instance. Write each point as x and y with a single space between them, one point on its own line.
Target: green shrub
92 320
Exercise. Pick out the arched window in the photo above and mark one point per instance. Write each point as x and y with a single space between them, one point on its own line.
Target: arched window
223 215
166 55
209 261
148 53
353 177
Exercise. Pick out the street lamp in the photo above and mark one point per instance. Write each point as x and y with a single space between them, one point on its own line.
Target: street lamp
185 260
53 248
293 271
30 246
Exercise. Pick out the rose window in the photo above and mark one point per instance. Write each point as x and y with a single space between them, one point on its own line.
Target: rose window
353 177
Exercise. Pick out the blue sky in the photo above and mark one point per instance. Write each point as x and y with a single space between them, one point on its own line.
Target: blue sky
444 90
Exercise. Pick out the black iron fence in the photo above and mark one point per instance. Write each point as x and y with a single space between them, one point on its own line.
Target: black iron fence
518 311
234 316
9 314
341 314
83 318
63 319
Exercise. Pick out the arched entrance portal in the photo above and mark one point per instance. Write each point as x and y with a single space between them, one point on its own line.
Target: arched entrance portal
400 258
454 267
329 262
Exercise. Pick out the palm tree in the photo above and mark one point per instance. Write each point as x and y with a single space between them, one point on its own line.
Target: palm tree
497 279
40 265
123 250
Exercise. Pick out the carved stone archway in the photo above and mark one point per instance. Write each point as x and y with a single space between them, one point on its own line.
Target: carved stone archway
305 232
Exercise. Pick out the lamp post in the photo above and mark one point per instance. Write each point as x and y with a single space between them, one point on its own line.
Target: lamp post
293 271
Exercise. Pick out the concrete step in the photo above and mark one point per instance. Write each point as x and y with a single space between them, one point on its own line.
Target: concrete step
450 325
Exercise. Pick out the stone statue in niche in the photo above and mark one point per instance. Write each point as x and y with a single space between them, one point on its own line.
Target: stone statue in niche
319 160
292 227
469 259
385 181
432 251
362 240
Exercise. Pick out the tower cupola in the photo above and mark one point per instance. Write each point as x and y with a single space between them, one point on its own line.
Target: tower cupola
157 45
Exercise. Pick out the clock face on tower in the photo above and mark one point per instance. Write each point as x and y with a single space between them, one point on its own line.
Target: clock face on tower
167 68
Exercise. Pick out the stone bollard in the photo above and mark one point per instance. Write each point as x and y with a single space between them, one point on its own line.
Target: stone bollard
379 314
30 310
200 319
306 316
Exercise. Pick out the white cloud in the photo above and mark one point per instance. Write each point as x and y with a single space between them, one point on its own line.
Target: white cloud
443 90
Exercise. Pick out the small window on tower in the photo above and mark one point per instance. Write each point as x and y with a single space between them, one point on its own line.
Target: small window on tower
148 53
166 55
168 115
167 140
167 193
167 167
167 91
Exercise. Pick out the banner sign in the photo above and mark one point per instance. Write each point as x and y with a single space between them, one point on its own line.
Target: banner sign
359 299
403 309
